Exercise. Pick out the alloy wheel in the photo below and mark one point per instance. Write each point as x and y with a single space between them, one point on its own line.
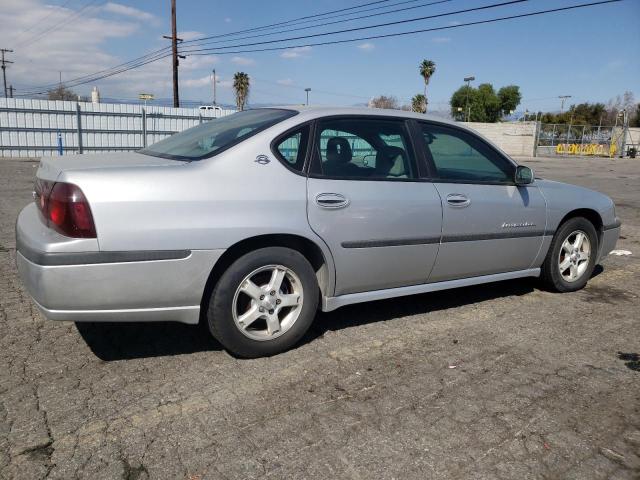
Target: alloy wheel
267 302
574 256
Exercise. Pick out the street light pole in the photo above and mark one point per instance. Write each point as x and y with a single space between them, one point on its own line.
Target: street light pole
467 108
307 90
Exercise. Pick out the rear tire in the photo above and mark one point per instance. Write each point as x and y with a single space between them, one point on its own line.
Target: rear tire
264 302
571 257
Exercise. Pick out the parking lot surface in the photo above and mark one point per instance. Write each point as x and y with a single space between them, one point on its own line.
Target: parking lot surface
499 381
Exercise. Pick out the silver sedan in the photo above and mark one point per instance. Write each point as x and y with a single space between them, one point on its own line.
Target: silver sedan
253 222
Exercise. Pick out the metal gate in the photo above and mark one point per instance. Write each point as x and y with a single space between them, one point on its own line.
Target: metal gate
583 140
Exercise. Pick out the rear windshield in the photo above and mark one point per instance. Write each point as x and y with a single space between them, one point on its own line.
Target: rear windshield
209 138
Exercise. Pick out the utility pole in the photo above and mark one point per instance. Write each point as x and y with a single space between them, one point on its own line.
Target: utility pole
4 68
10 91
214 87
174 53
307 90
563 98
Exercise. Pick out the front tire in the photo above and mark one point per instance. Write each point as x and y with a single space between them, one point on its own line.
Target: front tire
571 257
264 302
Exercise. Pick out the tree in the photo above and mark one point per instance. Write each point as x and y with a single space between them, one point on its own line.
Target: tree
510 98
241 89
62 93
484 104
419 103
595 113
427 69
384 101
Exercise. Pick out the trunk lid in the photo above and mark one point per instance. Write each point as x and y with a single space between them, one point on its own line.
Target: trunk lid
50 168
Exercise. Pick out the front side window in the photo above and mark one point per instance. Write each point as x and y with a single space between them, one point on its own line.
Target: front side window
364 148
292 148
208 138
459 156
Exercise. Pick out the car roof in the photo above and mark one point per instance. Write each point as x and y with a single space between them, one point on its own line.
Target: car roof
311 112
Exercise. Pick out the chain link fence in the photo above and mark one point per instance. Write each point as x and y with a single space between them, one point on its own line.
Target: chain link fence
583 140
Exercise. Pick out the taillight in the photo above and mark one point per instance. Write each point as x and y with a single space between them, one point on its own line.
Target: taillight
65 209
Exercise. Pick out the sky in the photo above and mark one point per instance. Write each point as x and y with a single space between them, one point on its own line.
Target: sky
592 54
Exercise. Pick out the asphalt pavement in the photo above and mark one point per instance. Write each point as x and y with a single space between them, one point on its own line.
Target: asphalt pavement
501 381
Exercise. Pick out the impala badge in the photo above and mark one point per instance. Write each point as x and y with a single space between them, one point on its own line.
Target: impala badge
518 225
262 159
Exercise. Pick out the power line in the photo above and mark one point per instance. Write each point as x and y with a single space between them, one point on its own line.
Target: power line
42 20
301 20
160 53
367 27
325 24
351 40
263 27
63 22
211 51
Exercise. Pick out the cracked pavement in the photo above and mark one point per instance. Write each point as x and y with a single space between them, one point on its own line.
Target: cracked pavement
499 381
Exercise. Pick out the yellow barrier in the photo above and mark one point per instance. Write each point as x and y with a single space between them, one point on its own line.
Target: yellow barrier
586 149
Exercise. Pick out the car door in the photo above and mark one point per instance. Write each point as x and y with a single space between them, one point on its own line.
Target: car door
489 224
366 200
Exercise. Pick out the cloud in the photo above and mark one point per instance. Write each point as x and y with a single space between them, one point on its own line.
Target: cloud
126 11
455 23
296 52
367 47
227 20
190 35
196 82
441 39
76 47
614 64
285 81
243 61
194 62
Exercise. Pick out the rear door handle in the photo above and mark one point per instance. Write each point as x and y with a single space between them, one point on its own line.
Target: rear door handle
331 200
458 200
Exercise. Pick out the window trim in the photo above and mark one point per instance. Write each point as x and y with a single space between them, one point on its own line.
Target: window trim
316 162
273 146
431 164
292 113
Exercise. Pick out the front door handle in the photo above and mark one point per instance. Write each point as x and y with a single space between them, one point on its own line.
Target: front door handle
458 200
331 200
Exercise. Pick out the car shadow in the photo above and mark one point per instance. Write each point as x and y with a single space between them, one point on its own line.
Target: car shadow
125 341
382 310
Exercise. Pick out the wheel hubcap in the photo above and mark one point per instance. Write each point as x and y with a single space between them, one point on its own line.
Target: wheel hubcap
267 302
574 256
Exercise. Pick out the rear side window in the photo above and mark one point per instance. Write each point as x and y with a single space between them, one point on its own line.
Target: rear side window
292 148
461 157
364 148
207 139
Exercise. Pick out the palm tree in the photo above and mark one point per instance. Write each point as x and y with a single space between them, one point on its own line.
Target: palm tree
427 69
241 87
419 103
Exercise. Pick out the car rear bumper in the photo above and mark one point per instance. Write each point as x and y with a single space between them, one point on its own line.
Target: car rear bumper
70 284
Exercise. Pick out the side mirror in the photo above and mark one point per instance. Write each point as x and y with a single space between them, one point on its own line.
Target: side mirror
524 175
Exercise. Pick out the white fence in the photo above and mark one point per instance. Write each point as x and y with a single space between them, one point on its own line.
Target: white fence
34 128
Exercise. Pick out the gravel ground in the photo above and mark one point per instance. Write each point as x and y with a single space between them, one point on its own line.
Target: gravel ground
539 388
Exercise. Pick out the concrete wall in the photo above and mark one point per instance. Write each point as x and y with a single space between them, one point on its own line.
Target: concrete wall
33 128
517 138
633 137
